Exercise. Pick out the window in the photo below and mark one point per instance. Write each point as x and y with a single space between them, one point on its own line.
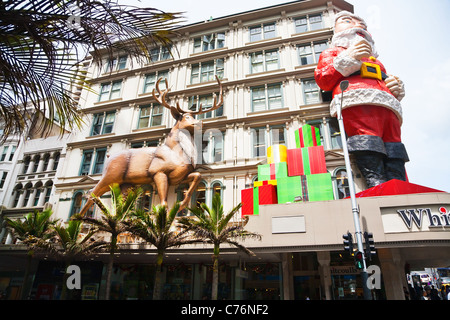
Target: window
212 147
262 32
37 158
143 144
26 164
263 138
99 161
267 97
216 187
103 123
78 202
206 71
56 157
199 195
308 23
86 162
264 61
38 187
87 165
110 91
160 54
11 155
152 78
209 42
3 179
145 201
342 187
150 115
310 53
5 151
310 91
48 191
46 161
117 63
335 134
207 102
18 191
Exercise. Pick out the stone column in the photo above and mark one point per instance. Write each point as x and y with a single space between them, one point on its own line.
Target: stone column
392 271
288 277
325 273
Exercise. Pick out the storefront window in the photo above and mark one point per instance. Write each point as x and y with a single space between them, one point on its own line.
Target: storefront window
263 282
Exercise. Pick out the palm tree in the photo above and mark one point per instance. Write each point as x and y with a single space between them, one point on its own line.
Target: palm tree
212 225
43 44
71 245
34 228
112 221
155 227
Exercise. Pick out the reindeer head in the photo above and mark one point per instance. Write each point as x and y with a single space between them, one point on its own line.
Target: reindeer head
185 119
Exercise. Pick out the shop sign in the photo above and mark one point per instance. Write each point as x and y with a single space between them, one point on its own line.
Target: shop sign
343 270
416 219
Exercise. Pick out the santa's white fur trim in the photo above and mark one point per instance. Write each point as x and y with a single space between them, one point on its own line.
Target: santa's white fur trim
375 97
346 65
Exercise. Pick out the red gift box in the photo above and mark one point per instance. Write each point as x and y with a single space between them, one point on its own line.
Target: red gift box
317 162
247 202
267 194
295 162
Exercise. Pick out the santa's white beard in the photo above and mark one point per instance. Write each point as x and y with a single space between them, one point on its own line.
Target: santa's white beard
349 37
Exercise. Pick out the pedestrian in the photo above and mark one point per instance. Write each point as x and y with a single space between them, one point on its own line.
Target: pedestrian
434 294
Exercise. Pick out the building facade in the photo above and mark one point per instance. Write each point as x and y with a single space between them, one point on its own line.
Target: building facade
266 60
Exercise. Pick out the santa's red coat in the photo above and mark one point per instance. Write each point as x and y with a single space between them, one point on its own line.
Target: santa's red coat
361 91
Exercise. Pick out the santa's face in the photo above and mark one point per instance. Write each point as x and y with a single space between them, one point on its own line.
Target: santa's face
348 22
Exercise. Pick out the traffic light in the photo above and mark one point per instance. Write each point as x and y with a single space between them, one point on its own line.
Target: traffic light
370 245
348 242
359 263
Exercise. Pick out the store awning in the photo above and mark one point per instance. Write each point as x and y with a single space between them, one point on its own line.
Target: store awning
395 187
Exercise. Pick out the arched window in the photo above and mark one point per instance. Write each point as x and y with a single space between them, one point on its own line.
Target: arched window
28 191
46 161
17 191
145 201
56 157
341 183
38 187
199 195
78 201
181 193
216 187
48 190
37 158
26 164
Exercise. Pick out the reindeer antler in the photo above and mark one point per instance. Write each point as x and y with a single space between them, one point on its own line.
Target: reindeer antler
162 99
216 105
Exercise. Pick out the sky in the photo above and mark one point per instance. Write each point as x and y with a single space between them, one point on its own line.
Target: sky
412 40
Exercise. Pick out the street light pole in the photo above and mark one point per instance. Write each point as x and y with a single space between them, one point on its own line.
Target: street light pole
358 233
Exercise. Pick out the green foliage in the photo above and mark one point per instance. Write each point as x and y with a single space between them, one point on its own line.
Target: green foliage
42 47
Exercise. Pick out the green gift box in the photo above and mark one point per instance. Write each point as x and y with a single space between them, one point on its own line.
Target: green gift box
288 188
320 187
272 171
307 136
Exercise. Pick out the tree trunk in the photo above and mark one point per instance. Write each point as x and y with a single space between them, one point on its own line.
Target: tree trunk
215 282
157 292
110 266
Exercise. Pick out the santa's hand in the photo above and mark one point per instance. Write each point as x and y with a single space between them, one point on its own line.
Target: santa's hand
396 86
359 50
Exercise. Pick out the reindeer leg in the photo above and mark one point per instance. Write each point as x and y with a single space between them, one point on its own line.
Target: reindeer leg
99 190
162 185
195 177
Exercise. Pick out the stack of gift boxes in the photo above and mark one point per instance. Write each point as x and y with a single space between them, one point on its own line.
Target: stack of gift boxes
291 174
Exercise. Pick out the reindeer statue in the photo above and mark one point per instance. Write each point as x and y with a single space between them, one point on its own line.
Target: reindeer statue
172 163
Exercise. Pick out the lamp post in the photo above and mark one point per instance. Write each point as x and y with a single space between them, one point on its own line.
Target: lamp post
359 237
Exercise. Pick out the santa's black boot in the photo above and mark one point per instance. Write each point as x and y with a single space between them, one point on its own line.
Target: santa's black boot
394 164
371 165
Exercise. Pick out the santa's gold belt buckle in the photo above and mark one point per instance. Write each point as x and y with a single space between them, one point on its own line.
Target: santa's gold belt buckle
371 70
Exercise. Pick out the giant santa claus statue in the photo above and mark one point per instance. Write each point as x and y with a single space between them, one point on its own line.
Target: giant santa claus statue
371 109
